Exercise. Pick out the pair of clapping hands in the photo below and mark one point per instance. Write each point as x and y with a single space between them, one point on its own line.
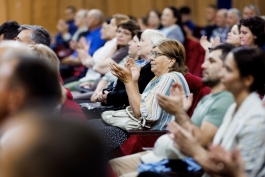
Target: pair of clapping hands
220 162
129 73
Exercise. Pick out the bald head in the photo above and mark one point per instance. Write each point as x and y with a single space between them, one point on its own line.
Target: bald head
95 18
221 18
55 148
80 18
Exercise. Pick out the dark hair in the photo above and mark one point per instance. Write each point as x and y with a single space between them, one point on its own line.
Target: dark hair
63 148
72 8
251 61
225 48
185 10
130 25
256 25
9 29
176 14
38 78
108 21
39 35
139 34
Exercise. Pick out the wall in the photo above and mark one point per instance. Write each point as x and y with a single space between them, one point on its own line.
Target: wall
47 12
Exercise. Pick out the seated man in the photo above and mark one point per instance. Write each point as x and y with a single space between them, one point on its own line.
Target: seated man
33 34
68 22
94 21
206 119
36 144
80 23
9 30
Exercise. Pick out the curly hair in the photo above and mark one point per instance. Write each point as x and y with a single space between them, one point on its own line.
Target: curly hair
256 25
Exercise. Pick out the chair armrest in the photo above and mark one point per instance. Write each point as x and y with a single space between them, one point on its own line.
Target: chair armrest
147 132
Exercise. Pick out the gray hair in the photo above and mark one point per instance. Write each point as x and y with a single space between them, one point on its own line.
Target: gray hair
255 8
97 14
84 12
153 35
236 11
39 35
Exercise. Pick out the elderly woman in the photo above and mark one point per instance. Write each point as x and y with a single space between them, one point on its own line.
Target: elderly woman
117 89
114 136
168 65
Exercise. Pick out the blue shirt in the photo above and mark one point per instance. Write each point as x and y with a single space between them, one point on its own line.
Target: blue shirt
58 38
94 38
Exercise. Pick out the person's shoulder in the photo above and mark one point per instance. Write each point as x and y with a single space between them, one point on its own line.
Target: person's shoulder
223 99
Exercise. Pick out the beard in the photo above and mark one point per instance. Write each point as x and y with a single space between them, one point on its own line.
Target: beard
210 82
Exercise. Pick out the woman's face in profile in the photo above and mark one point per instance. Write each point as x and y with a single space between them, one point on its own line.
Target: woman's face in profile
145 46
234 36
230 75
247 37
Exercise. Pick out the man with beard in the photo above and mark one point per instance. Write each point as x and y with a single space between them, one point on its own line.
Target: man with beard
206 119
209 113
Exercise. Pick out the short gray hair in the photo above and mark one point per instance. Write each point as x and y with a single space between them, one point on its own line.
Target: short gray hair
255 8
97 14
153 35
236 11
39 35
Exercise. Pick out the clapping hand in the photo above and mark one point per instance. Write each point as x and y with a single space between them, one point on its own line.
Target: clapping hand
130 73
185 140
176 101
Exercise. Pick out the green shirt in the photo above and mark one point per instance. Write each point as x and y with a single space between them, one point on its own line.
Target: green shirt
212 108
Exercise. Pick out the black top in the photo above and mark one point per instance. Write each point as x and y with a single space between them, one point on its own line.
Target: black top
118 95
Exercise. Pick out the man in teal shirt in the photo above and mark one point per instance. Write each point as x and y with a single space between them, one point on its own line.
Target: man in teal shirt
207 117
208 114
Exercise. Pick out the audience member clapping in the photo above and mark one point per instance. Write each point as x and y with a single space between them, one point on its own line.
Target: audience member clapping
244 124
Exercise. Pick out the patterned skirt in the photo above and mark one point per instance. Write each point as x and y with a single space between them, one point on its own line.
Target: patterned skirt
113 136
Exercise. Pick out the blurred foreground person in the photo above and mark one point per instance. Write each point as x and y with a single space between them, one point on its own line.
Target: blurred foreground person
35 144
26 81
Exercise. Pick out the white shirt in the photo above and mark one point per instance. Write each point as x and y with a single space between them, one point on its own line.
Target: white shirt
99 55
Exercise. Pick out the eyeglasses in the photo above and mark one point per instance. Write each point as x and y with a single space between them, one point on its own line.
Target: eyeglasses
123 32
155 53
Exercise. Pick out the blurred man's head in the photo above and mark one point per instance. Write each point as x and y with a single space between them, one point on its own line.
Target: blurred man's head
51 147
80 18
211 13
25 80
221 18
233 17
94 19
69 13
250 11
9 30
185 14
214 63
33 34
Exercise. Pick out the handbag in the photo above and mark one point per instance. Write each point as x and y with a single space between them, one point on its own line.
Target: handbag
124 119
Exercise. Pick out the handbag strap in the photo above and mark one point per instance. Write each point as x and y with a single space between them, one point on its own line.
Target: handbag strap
143 120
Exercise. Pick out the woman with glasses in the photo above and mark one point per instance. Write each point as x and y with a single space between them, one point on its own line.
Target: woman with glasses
118 95
168 65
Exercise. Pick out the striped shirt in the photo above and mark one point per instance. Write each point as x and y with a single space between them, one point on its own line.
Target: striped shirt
149 108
